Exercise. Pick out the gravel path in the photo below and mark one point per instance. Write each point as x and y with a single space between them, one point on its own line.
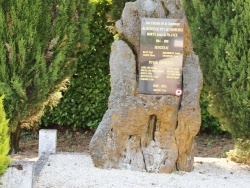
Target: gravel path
77 171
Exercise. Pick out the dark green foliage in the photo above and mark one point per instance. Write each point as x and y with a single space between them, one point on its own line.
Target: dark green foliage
39 44
221 34
87 98
209 124
4 139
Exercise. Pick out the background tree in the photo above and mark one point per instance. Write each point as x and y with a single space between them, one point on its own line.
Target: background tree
4 139
221 34
39 43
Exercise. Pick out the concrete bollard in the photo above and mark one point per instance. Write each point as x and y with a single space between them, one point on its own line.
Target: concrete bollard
47 141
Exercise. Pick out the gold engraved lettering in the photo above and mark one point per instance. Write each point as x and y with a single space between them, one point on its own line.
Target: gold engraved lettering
161 47
155 85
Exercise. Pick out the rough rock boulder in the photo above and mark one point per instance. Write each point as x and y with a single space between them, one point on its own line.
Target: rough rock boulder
153 133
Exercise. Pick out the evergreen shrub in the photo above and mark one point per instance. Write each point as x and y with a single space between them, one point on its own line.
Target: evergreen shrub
4 139
39 45
221 34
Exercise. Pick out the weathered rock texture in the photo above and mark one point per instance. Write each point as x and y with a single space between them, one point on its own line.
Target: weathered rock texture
153 133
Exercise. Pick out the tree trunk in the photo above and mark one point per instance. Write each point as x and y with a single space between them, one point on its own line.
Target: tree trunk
14 139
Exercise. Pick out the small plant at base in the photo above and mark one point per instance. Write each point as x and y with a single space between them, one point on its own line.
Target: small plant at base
241 153
210 142
4 139
68 135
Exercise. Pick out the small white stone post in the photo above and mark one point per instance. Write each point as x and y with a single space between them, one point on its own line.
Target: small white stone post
47 141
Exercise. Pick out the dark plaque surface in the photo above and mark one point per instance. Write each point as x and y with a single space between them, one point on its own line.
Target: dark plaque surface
161 56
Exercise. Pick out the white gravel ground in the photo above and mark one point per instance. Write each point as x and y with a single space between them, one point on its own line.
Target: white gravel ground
77 171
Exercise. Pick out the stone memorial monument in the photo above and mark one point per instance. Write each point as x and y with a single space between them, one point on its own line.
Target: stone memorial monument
150 125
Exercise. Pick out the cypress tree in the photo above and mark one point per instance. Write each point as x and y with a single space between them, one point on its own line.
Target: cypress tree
4 139
39 43
221 33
